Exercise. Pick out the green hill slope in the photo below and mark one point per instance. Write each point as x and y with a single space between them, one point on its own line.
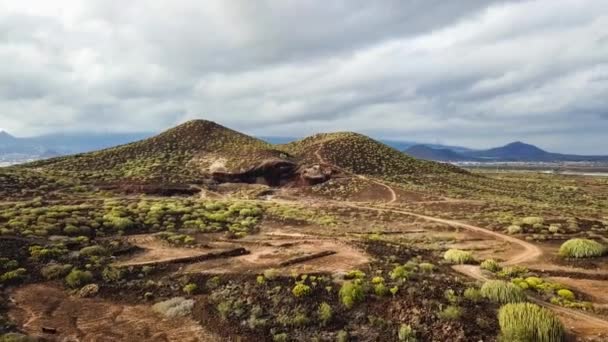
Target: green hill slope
181 154
363 155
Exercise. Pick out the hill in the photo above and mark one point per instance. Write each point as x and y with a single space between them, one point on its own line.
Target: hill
438 154
513 152
360 154
519 151
6 138
516 151
184 153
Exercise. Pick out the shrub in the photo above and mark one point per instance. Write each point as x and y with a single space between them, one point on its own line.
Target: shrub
566 294
533 221
490 265
213 283
13 276
260 279
472 294
513 271
377 280
271 274
342 336
325 313
581 248
427 267
190 289
457 256
500 291
78 278
282 337
55 271
399 273
451 296
301 290
351 293
533 282
8 265
380 290
175 307
450 313
529 322
112 274
514 229
406 333
355 274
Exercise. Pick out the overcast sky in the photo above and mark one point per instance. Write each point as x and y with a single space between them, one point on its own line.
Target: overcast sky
470 72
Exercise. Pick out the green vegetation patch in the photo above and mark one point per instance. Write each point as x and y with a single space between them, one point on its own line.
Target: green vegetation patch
502 292
529 322
581 248
457 256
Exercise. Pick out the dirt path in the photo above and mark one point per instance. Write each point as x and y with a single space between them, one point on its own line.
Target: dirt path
530 253
391 191
78 319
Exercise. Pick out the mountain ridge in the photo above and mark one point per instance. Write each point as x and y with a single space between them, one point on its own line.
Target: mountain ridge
516 151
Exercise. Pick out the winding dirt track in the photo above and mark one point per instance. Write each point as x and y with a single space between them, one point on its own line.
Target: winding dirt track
393 194
530 252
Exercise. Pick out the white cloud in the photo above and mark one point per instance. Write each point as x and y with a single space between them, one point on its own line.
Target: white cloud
472 72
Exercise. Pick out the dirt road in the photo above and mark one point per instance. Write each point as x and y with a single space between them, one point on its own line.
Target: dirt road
530 253
391 191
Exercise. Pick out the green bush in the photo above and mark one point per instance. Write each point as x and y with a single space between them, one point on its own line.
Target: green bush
93 251
427 267
400 273
301 290
472 294
457 256
406 333
381 290
325 313
112 274
190 289
500 291
529 322
55 271
533 221
13 276
78 278
450 313
271 274
282 337
355 274
490 265
514 229
566 294
581 248
351 293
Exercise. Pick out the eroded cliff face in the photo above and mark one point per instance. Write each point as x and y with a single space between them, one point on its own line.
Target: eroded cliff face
276 172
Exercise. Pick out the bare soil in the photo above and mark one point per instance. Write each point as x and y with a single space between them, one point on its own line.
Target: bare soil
40 306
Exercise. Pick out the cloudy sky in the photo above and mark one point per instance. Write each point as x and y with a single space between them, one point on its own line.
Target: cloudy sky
469 72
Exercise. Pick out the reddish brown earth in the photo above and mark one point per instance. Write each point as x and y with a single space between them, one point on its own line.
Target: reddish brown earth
77 319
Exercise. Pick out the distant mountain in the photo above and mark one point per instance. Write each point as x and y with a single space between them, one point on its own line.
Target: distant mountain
513 152
396 144
6 138
277 140
18 150
437 154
